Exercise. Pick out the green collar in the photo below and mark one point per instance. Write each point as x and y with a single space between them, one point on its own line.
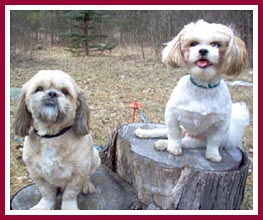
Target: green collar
208 86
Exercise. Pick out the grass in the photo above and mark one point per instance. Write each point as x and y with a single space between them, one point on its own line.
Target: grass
111 81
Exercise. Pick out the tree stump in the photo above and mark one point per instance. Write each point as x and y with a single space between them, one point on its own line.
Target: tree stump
111 194
185 182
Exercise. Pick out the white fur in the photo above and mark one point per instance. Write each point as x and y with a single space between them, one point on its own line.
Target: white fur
196 116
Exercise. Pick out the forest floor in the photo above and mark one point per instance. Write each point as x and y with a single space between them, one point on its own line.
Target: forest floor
111 81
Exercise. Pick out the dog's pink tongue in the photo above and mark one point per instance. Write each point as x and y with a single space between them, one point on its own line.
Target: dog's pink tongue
202 63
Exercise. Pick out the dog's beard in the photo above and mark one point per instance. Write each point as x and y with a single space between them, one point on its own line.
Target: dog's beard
50 113
50 109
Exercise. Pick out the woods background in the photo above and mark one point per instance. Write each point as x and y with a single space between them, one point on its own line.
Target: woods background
88 30
115 57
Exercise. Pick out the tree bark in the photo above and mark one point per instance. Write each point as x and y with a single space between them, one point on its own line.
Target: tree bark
111 194
186 182
86 34
147 179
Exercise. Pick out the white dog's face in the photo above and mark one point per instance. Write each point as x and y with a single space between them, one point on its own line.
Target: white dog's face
204 51
207 50
52 100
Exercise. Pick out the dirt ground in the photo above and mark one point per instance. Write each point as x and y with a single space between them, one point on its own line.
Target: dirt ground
111 81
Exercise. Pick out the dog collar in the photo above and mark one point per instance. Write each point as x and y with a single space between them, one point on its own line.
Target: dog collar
61 132
208 86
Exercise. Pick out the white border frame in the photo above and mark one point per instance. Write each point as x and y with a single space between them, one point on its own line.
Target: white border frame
8 8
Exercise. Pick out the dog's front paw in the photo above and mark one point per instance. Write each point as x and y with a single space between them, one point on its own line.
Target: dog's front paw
160 145
88 188
44 205
175 149
214 155
69 205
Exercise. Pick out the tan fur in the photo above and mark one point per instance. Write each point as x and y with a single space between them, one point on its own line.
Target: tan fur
175 57
23 118
236 57
66 161
81 125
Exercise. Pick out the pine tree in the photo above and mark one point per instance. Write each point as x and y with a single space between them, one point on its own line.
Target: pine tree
83 28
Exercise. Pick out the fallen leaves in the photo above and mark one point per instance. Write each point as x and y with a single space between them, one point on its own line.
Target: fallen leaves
110 83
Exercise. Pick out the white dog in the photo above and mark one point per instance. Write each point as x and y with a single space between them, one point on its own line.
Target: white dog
200 111
58 149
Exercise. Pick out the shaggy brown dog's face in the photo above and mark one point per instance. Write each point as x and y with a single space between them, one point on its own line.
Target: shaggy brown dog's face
52 98
58 149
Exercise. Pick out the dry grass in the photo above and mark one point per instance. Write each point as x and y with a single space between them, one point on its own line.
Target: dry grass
111 81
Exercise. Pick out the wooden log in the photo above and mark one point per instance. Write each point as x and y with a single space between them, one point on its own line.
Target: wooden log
185 182
111 194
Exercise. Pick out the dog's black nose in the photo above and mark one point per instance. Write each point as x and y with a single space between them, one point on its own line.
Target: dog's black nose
203 52
52 94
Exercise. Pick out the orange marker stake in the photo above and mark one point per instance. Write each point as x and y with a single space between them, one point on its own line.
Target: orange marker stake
135 105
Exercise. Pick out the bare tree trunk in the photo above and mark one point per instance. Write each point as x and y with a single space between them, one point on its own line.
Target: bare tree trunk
85 33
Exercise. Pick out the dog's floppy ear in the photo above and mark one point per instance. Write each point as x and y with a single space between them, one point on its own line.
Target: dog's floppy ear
23 118
236 57
172 54
81 124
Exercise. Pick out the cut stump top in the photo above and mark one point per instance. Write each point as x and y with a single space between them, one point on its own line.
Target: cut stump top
111 194
195 158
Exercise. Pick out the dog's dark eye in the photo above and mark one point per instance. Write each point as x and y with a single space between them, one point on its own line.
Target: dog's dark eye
39 89
65 91
215 44
194 43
